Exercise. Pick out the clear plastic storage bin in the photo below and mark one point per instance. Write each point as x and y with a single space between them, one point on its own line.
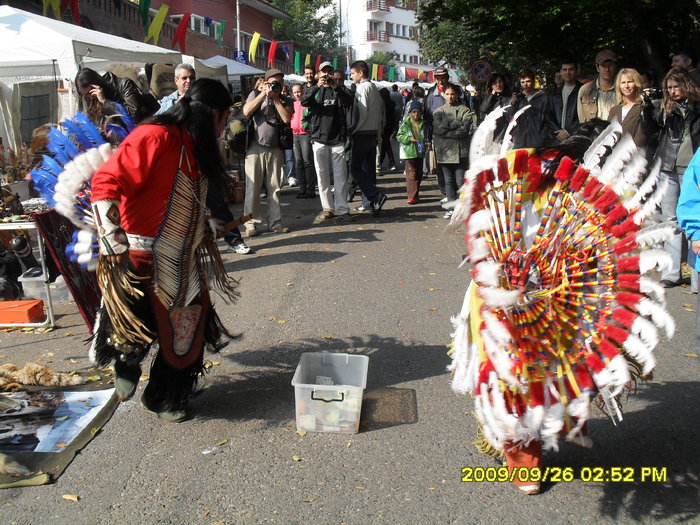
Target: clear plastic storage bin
328 391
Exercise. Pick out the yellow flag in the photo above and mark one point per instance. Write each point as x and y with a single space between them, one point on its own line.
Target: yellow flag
253 47
55 7
307 61
157 24
374 71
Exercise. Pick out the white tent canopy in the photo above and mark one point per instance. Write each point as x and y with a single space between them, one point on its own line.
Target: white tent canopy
37 46
233 67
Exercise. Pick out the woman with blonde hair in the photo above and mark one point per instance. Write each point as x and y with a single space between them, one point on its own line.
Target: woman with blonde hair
631 110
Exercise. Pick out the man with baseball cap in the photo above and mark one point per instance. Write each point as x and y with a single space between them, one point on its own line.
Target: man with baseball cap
269 110
596 98
329 101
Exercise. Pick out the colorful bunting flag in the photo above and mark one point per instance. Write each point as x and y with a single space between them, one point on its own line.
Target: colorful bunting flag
253 47
297 63
181 31
222 29
73 8
392 74
335 64
285 50
380 72
157 24
207 21
374 72
307 61
271 53
55 7
144 7
318 61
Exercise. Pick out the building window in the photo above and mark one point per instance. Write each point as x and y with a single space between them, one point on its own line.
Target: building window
403 30
389 28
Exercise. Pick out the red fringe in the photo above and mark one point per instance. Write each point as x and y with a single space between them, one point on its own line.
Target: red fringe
607 200
608 349
617 213
503 174
579 178
625 317
520 163
565 169
628 299
592 189
536 394
583 378
594 363
617 334
628 264
625 245
626 227
628 280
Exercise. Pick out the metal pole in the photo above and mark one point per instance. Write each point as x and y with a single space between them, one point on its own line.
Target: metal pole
347 36
238 25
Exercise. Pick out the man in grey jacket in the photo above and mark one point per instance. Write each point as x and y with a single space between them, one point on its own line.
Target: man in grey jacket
366 129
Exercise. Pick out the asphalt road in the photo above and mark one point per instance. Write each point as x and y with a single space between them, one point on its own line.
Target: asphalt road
386 288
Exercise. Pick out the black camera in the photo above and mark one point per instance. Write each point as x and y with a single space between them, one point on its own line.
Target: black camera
654 93
326 78
275 86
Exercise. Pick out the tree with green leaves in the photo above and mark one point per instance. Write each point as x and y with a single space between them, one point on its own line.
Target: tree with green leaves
512 34
382 58
313 27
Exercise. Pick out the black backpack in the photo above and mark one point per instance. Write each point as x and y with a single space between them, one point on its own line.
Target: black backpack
236 131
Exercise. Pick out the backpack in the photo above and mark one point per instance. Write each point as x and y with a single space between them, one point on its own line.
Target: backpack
236 131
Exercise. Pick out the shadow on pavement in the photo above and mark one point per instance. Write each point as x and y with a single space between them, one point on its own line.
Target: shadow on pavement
266 392
663 436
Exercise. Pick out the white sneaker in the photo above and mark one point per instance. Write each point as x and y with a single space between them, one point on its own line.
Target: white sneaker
292 182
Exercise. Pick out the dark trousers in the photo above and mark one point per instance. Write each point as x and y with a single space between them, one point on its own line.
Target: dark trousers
363 158
220 210
454 178
414 176
304 163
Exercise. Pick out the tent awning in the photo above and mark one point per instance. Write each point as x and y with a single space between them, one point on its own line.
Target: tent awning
233 67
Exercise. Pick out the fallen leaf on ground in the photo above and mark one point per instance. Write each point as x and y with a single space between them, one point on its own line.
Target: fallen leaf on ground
71 497
302 433
94 378
273 319
360 487
222 442
348 444
61 445
296 458
328 337
310 499
686 305
95 430
691 354
62 418
73 361
144 378
281 321
290 284
688 293
68 334
690 309
402 282
432 488
51 354
432 309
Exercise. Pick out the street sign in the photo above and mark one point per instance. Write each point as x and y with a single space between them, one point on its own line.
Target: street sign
241 56
481 71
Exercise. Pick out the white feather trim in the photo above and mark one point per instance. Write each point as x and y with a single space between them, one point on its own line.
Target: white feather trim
478 222
640 352
552 424
622 153
600 146
653 289
646 187
659 316
482 142
654 259
498 297
649 207
479 250
508 136
497 354
655 235
488 273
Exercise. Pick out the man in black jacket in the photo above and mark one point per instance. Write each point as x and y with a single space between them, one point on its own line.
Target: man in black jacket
534 128
329 102
562 102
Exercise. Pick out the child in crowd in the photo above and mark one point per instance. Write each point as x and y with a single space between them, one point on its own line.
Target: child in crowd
411 136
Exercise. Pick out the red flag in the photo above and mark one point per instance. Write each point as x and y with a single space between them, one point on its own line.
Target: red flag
73 9
271 53
318 61
181 31
432 78
380 73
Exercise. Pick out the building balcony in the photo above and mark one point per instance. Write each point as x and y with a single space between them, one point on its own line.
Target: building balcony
377 36
377 5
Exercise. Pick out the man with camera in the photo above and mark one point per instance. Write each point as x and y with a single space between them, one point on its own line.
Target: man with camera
269 111
534 127
329 101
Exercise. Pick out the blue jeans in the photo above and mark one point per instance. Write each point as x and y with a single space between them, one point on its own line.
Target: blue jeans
669 203
363 165
454 178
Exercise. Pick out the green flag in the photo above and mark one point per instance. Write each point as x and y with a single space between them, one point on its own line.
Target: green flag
222 28
297 63
144 6
335 63
392 72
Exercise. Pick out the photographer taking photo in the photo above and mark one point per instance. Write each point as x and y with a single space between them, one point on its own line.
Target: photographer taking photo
269 111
